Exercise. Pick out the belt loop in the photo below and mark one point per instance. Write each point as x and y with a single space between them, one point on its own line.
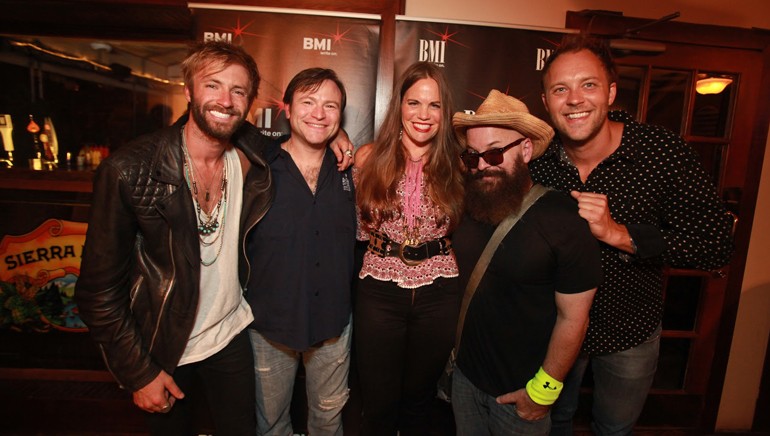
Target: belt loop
446 245
378 244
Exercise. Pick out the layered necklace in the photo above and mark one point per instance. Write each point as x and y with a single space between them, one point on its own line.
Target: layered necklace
211 225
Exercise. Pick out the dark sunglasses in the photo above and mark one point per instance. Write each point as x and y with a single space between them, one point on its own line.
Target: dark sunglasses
492 156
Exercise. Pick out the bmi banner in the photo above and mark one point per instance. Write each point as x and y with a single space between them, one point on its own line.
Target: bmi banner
284 42
478 58
38 275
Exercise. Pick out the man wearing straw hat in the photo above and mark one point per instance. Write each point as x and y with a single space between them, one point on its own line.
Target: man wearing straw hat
526 320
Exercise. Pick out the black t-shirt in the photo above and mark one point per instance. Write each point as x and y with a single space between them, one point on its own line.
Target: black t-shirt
512 314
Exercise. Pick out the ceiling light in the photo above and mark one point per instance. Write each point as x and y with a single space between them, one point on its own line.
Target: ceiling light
712 85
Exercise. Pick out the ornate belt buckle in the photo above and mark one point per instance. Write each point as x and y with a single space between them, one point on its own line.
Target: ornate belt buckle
408 243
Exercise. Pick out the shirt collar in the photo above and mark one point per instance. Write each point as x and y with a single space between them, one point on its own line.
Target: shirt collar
628 148
273 150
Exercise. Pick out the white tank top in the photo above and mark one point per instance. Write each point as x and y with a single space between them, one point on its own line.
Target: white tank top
222 309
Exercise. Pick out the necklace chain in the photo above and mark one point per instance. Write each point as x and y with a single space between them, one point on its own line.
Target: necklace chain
211 178
209 228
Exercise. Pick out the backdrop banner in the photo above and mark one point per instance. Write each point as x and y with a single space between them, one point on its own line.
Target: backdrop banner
477 58
284 42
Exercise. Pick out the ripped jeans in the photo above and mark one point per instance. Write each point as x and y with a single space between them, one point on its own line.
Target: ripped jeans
326 369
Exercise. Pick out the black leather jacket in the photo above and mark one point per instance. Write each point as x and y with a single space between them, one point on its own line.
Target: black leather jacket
140 271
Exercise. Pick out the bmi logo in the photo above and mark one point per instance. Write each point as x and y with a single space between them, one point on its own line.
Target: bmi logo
215 36
321 45
316 44
264 117
542 55
432 51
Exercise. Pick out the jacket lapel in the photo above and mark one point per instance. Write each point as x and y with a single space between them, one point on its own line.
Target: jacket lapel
177 207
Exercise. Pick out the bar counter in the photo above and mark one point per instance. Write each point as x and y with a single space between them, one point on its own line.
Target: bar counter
58 179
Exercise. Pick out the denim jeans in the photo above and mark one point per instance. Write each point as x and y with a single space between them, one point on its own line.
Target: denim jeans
621 383
326 370
478 414
227 380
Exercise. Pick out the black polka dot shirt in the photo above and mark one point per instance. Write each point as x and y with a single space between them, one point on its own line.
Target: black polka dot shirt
657 187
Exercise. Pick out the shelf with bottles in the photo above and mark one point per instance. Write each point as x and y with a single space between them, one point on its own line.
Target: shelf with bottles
90 156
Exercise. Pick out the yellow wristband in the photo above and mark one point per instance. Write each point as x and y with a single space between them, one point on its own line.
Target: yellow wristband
544 389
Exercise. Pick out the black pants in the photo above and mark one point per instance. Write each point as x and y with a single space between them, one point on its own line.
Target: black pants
402 342
227 381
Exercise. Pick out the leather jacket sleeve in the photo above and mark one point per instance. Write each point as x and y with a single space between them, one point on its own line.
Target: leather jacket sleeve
104 289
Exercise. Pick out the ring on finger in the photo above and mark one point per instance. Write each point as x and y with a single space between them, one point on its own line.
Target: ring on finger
349 153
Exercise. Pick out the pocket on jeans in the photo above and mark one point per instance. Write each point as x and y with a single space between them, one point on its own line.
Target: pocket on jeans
533 421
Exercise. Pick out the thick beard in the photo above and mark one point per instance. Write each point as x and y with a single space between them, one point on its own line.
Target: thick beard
199 115
490 203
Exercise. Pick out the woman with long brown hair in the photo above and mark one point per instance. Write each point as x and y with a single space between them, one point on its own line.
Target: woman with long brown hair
409 192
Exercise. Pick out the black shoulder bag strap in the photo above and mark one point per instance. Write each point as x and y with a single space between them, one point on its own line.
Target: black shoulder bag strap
502 229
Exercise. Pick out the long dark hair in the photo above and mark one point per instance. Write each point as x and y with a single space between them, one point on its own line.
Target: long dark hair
376 191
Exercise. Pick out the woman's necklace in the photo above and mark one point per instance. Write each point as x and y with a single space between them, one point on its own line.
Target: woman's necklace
419 159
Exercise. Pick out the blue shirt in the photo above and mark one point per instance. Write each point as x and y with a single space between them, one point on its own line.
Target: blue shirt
301 255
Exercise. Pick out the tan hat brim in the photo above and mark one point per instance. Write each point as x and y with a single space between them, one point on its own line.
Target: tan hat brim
528 125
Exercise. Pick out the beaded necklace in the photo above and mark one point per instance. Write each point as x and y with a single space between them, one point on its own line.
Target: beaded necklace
209 228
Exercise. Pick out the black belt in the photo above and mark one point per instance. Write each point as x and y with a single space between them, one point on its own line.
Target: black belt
381 245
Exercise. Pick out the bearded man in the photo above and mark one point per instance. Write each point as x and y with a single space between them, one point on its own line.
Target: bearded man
164 268
527 319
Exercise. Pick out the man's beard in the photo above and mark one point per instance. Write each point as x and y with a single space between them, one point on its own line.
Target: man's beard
489 202
215 131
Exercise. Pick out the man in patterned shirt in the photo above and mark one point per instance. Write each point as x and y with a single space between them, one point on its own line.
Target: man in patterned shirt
648 201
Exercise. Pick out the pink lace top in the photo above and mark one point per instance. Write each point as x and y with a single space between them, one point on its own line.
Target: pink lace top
419 214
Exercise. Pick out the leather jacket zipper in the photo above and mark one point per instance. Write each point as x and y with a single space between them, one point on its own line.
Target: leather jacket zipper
168 288
109 368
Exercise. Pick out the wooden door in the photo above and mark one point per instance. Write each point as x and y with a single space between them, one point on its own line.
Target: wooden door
728 130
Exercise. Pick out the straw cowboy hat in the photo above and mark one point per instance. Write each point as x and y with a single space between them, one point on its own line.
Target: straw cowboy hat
505 111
